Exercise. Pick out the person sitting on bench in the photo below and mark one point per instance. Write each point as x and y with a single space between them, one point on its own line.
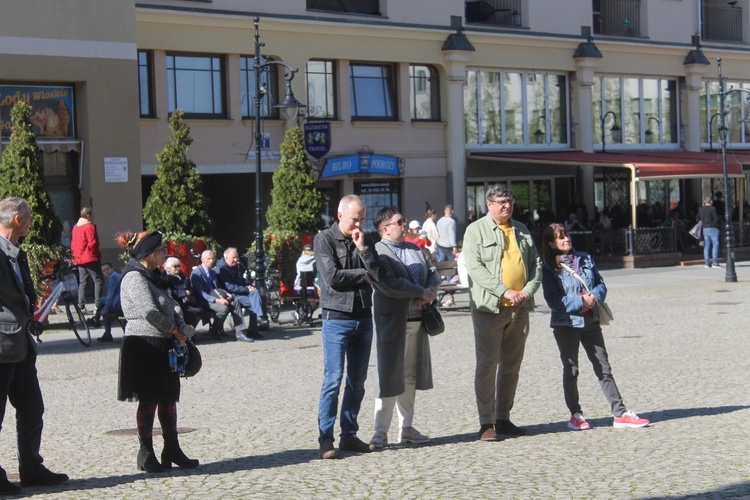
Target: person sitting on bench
231 280
205 283
182 292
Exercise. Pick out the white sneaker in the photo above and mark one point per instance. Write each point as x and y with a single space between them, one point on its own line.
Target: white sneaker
449 303
412 435
379 441
717 266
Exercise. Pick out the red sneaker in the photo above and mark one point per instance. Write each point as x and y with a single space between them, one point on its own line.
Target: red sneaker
578 423
629 420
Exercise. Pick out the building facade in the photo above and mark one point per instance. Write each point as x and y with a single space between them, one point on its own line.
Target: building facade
612 101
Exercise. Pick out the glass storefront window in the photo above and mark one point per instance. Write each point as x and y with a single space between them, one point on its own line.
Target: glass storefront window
515 108
376 195
646 110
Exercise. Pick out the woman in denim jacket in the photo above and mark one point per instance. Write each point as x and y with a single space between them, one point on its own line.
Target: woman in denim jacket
575 321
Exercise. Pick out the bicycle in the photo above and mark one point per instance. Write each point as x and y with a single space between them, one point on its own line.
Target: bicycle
64 285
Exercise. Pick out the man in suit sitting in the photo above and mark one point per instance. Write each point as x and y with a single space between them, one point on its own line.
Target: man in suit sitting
231 280
210 296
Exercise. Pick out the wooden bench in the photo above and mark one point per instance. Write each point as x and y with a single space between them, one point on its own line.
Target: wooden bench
448 270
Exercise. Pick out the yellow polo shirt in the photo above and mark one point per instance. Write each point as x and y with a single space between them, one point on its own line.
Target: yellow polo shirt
514 273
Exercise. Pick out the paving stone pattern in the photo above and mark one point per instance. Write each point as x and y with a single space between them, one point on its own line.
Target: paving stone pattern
679 350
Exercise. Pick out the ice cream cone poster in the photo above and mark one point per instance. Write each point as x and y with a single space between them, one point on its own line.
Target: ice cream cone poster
51 109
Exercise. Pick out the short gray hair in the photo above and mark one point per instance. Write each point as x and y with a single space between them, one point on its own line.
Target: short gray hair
350 199
229 249
9 208
171 261
498 191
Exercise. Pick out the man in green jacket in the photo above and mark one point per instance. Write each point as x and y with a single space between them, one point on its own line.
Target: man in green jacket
505 271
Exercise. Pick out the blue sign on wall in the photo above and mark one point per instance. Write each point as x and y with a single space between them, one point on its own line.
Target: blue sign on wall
362 163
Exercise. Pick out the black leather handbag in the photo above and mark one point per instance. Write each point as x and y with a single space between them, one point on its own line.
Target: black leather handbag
431 319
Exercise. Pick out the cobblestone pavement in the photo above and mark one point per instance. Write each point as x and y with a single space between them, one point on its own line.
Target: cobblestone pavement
679 351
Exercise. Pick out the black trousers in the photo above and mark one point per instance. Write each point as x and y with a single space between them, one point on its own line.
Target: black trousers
19 385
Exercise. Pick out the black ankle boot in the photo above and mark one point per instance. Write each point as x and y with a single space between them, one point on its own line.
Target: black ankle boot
172 454
147 458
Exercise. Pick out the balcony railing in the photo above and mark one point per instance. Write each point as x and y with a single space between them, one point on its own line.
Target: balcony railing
617 17
371 7
722 22
494 12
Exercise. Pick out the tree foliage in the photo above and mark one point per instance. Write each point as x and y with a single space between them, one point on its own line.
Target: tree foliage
21 175
296 204
176 204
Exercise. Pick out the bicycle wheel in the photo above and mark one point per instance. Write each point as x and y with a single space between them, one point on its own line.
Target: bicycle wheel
78 323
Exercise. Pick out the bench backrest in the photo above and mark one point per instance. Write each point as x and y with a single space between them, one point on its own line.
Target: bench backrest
447 268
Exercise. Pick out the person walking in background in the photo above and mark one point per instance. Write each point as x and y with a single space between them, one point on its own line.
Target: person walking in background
347 265
144 374
446 228
18 377
408 282
109 307
575 322
84 248
711 220
430 228
504 273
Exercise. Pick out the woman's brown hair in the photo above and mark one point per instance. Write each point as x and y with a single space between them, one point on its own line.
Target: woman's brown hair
550 256
128 239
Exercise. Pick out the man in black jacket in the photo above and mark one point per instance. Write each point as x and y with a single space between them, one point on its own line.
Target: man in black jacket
231 280
347 264
18 377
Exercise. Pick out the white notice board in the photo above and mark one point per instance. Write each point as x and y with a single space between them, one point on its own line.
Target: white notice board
115 170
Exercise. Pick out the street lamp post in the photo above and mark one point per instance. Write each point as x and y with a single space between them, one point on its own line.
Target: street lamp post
261 65
711 131
615 129
730 276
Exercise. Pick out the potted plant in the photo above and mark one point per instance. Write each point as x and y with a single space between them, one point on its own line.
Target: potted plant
21 175
176 204
294 215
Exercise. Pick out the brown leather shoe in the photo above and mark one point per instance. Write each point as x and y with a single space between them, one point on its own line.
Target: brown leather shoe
327 451
487 433
353 443
509 428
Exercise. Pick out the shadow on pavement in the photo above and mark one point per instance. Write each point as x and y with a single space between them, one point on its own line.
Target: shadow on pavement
739 490
279 459
653 416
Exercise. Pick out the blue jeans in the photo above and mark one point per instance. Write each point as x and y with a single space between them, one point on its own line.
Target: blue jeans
350 339
443 254
251 301
711 245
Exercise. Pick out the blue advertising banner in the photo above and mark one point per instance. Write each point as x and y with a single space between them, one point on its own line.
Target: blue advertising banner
342 165
363 163
318 139
52 109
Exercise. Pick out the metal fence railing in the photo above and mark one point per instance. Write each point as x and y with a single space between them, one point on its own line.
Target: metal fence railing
722 22
495 12
618 17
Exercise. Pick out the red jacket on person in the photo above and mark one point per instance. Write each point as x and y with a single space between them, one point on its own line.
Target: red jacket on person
84 242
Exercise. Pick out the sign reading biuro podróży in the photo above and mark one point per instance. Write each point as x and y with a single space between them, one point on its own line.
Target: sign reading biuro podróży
363 163
51 109
318 139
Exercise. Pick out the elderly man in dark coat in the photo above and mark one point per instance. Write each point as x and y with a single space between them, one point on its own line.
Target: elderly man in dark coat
409 282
